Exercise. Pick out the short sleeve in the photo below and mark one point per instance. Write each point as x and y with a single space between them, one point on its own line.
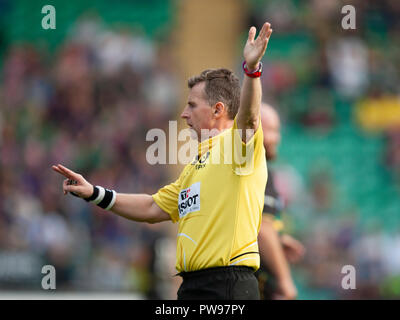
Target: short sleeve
247 156
167 199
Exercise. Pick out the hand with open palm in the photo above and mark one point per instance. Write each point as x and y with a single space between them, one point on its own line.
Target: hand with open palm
255 48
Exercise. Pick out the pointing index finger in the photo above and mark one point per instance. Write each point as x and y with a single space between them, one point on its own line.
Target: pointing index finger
66 172
56 169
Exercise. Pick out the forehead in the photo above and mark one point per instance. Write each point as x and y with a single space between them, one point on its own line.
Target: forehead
197 92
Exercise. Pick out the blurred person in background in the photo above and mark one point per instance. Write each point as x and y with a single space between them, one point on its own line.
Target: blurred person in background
276 249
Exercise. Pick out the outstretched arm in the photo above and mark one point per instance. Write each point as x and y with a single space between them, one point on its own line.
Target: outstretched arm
137 207
250 97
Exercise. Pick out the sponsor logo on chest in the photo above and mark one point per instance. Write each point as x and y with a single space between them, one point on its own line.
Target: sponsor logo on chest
189 200
200 162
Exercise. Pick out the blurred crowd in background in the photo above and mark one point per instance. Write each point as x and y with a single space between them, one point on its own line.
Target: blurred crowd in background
89 107
89 104
338 92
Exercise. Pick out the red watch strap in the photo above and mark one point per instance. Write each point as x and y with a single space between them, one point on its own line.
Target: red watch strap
252 74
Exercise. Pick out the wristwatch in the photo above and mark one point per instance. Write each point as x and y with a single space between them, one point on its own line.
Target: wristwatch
253 74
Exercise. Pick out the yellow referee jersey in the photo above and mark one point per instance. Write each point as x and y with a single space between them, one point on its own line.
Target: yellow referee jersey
218 201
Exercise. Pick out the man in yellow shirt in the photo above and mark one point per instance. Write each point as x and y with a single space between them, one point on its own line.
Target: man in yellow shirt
218 198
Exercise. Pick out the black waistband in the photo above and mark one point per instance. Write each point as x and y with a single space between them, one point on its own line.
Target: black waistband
215 270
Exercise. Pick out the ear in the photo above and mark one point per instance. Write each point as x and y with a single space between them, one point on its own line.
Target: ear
219 109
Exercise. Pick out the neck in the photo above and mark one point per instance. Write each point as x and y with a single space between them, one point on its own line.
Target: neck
221 126
218 128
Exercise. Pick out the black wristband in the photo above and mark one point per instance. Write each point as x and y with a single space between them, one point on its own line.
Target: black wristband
94 194
108 196
102 197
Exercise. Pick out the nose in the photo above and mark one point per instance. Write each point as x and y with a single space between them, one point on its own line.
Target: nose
185 113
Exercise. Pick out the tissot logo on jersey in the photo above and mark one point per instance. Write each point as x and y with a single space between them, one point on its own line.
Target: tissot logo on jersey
189 200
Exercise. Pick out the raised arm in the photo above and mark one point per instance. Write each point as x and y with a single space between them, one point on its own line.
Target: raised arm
137 207
250 97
